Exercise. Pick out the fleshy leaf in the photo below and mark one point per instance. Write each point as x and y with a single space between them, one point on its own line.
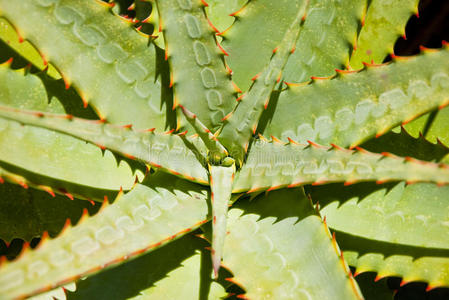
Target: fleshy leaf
219 12
155 273
403 144
198 74
275 165
409 238
241 124
9 37
109 63
64 163
221 179
274 246
353 107
326 38
259 28
433 126
160 150
216 150
175 286
384 22
140 221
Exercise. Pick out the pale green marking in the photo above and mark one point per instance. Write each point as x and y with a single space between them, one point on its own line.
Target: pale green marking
96 51
201 83
351 108
274 165
241 124
123 229
164 151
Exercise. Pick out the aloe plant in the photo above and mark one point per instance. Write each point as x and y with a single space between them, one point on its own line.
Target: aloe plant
259 136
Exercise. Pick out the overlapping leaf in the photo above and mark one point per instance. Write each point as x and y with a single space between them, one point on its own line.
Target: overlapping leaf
109 63
384 22
353 107
273 165
65 163
409 236
140 221
274 246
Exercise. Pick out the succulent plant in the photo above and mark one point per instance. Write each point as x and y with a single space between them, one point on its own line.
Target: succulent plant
277 121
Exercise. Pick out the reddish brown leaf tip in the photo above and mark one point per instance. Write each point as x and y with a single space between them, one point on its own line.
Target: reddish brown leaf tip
378 277
403 282
430 287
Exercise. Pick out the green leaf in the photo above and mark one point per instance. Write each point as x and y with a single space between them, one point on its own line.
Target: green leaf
154 20
201 83
433 126
156 272
160 150
403 144
409 238
258 29
10 39
140 221
351 108
221 179
109 63
326 39
219 11
413 215
64 162
28 213
241 124
274 246
216 150
275 165
384 22
175 286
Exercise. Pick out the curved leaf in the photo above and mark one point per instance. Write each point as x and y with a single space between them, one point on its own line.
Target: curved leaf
175 286
353 107
160 150
433 126
146 218
409 238
326 39
64 162
219 12
9 36
240 125
156 274
277 248
384 22
109 63
198 74
259 28
275 165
